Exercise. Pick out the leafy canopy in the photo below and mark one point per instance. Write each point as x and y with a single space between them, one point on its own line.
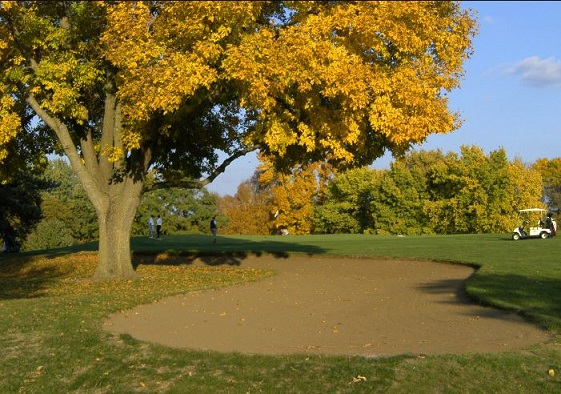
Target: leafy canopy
304 81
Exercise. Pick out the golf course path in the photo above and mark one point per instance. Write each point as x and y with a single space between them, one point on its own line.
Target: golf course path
335 306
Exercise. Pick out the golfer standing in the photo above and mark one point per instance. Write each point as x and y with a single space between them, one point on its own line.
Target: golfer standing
158 226
213 229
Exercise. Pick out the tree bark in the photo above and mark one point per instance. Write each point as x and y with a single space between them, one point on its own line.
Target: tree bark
115 217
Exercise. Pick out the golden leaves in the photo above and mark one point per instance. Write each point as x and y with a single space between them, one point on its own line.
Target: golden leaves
351 68
339 77
166 59
131 139
113 154
9 124
291 196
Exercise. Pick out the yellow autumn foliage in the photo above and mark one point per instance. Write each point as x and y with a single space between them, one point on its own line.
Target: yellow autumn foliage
292 196
384 66
335 76
9 124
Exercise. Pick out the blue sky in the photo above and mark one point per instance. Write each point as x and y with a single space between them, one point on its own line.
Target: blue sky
510 96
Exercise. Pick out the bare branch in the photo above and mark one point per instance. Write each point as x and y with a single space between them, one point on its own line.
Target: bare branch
199 184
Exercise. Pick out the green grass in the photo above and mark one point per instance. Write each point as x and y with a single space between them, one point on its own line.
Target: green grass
52 341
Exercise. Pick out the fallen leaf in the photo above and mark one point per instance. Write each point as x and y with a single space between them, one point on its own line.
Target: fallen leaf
358 378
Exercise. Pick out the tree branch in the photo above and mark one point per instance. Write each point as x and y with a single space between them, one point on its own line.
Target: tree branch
65 140
199 184
88 153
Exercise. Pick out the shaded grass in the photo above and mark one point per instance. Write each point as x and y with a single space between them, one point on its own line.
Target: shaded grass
52 339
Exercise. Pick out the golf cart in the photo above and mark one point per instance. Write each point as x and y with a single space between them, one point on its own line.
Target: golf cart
535 223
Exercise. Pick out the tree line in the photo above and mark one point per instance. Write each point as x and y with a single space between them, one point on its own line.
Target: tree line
423 192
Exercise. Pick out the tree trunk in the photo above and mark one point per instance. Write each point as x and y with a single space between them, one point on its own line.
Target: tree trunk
115 217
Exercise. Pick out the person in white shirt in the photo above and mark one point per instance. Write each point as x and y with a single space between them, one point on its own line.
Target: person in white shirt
151 226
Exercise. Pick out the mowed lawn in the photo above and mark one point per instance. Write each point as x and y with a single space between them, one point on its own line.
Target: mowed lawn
51 336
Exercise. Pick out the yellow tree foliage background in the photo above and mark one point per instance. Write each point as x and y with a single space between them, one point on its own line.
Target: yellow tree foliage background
247 212
293 195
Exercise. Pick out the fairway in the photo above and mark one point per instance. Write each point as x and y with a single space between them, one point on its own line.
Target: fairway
298 314
334 306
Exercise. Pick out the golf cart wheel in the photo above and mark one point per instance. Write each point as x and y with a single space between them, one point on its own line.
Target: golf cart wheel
544 235
515 236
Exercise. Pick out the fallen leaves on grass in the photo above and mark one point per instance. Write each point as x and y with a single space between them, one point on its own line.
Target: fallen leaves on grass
72 275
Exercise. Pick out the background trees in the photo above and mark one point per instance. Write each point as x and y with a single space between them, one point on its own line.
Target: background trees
248 211
182 210
550 171
424 192
428 192
20 209
293 195
21 184
478 193
346 207
67 216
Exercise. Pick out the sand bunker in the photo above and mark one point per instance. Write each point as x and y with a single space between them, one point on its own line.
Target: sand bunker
335 306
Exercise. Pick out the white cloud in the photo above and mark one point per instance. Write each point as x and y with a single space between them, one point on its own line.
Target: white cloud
489 20
538 72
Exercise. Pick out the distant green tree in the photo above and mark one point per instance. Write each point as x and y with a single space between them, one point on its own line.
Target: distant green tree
49 234
478 193
346 206
400 194
67 202
20 208
427 192
182 210
21 183
527 187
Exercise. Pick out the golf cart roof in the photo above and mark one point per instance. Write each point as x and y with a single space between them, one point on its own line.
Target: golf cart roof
533 210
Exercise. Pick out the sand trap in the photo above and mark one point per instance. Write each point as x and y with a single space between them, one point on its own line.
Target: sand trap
335 306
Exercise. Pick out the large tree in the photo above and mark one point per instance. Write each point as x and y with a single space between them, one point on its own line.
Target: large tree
128 87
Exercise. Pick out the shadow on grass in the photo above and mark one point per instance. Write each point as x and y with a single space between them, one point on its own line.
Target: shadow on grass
186 258
536 299
21 276
185 250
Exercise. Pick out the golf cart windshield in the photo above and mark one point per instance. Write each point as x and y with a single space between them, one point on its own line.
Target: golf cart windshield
540 210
